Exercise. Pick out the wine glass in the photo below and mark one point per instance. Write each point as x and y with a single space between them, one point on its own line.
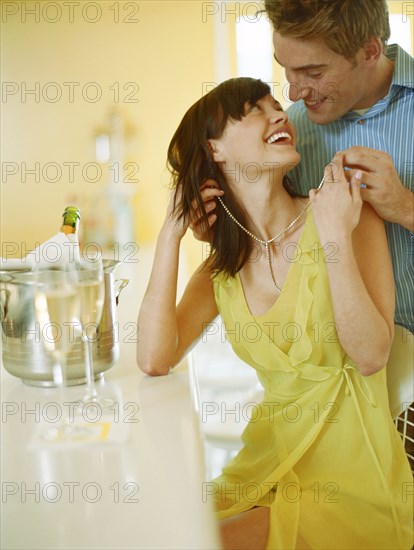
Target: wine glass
91 292
57 311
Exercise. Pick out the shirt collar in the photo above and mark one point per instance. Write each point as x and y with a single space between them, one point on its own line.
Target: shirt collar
403 77
403 66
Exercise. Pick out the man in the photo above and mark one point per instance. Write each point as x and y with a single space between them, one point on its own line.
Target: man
351 93
349 89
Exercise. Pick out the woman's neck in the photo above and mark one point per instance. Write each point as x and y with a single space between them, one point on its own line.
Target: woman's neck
269 207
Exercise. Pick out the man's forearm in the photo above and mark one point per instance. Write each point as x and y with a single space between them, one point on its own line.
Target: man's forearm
405 216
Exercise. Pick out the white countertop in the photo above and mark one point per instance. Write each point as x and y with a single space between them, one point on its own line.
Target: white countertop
140 488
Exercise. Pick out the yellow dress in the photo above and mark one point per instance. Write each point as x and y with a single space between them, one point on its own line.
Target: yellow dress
321 449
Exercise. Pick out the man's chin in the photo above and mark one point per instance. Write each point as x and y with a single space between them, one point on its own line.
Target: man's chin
320 117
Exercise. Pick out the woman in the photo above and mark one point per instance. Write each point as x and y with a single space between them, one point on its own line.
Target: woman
322 465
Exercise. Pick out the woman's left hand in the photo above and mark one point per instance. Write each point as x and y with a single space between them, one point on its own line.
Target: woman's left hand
337 205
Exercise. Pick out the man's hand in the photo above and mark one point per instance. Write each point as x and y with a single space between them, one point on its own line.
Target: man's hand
209 190
384 190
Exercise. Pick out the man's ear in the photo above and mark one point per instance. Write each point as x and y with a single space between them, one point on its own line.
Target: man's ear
216 149
373 50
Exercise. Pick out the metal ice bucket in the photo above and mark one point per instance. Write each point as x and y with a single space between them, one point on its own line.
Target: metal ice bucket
23 350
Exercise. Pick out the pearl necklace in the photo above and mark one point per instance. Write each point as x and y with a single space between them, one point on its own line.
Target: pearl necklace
264 242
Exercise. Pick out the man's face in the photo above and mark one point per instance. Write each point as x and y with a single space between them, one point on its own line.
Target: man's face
329 84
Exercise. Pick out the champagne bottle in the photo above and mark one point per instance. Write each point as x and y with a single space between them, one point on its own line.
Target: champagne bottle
70 225
46 254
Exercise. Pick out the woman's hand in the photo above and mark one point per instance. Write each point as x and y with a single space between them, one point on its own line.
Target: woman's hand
178 227
337 205
209 190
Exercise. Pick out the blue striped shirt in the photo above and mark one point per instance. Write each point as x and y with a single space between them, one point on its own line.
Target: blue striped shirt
387 126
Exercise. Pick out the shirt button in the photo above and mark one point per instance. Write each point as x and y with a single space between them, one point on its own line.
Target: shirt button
361 121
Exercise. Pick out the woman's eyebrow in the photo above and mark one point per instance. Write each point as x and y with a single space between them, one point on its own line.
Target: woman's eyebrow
277 104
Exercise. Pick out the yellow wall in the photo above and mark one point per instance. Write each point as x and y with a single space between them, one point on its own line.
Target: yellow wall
161 52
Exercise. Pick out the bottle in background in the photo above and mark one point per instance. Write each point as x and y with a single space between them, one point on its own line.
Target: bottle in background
70 223
70 226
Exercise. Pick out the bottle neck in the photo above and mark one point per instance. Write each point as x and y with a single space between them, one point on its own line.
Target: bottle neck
68 229
70 222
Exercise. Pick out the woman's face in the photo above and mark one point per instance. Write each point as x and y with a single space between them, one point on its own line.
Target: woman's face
261 142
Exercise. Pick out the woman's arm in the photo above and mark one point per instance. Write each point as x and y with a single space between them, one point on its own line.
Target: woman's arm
360 275
165 331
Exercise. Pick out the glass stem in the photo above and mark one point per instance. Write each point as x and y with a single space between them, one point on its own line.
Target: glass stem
59 377
90 375
60 380
59 374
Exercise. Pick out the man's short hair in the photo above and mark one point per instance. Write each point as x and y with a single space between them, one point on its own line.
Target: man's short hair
344 25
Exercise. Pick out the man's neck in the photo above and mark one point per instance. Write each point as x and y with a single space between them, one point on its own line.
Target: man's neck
379 84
